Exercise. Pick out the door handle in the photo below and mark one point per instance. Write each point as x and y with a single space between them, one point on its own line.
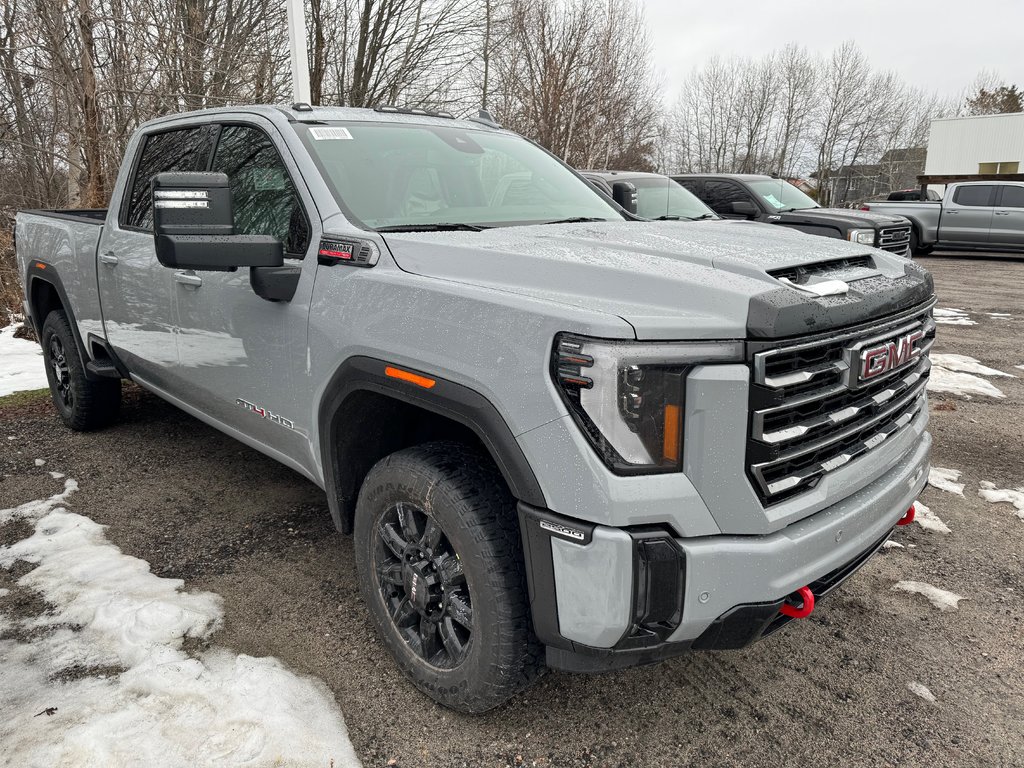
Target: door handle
188 278
109 258
1002 213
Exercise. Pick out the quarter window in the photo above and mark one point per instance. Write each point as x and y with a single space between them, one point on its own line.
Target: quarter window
183 150
262 193
981 195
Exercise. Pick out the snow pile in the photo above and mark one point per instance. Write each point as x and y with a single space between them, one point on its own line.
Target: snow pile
1000 315
928 520
946 480
919 689
961 375
990 493
130 695
940 598
21 363
952 317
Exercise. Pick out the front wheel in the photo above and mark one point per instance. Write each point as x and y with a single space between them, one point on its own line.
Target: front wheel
83 404
441 570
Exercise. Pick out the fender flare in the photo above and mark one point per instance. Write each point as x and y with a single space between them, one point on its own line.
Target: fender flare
41 271
445 398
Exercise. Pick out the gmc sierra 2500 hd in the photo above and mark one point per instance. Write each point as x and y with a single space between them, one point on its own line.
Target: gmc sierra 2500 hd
560 435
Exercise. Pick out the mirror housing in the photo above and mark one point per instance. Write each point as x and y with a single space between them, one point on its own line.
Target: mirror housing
193 226
624 193
745 208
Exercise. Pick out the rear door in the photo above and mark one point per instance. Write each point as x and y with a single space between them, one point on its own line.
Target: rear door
136 291
243 358
1008 217
967 218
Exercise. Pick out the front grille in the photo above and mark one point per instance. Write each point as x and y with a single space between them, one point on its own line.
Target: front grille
810 415
895 239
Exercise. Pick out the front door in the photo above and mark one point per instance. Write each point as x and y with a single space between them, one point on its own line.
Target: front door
1008 217
242 359
967 218
136 291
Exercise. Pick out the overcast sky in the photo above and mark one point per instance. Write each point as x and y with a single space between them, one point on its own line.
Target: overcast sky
936 44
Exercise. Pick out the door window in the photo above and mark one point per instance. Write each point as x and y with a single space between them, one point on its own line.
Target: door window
182 150
1013 197
262 193
720 195
981 195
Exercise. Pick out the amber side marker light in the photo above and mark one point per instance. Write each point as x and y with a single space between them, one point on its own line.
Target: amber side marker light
40 265
673 424
412 378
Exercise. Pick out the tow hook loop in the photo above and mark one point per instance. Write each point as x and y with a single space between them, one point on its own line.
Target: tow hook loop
908 518
803 611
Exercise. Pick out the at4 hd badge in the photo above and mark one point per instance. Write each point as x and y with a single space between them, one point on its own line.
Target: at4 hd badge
265 413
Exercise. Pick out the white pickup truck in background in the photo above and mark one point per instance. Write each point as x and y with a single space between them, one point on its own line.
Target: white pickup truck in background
985 215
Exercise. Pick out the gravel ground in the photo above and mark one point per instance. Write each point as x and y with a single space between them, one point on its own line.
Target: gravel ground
831 690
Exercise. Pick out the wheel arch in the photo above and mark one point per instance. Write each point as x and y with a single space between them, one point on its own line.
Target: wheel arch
365 415
45 293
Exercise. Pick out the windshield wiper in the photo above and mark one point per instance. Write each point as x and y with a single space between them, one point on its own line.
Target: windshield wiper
440 227
575 220
677 217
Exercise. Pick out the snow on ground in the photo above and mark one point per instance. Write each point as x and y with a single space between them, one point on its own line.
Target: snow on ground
919 689
990 493
928 520
100 678
892 545
1000 315
952 317
21 363
946 480
961 375
940 598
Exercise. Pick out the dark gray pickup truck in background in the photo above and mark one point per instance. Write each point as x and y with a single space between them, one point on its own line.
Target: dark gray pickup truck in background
776 201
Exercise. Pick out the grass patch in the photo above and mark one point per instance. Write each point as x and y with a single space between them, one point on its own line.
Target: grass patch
22 398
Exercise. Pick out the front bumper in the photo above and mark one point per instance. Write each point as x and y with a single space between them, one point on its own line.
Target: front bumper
590 585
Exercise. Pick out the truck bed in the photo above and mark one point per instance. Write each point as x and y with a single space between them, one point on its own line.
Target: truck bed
80 215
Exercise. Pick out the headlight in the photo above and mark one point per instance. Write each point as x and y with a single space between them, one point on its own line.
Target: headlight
628 396
862 236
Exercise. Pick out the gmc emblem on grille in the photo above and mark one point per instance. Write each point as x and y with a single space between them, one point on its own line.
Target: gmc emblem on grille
878 359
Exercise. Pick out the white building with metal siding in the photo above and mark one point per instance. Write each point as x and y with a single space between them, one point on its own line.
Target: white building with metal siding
982 144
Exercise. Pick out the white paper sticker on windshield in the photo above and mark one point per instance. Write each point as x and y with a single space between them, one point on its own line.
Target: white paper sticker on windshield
774 201
328 134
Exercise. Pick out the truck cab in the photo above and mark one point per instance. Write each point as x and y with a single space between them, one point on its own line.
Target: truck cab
776 201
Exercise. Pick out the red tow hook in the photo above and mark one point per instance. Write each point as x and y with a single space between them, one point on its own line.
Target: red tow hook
908 518
804 610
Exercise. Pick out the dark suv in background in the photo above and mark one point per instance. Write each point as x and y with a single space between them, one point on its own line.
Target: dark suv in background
776 201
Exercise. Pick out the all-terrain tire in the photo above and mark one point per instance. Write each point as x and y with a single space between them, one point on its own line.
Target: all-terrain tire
461 491
83 404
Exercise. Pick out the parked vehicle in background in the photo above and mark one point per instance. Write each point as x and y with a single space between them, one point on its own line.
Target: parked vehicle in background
912 194
558 434
776 201
980 215
651 195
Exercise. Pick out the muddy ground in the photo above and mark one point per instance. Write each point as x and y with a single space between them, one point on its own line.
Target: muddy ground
831 690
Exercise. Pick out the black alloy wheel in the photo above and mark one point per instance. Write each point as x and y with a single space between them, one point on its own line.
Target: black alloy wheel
61 373
423 584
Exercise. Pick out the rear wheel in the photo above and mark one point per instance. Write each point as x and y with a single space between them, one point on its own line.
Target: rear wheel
83 404
441 571
916 249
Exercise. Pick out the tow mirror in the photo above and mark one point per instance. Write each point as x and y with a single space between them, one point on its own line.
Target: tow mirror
745 208
193 226
624 193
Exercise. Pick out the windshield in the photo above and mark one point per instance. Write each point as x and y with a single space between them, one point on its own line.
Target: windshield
781 195
661 197
404 175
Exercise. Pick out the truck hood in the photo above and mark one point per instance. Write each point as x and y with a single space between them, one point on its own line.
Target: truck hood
684 280
846 216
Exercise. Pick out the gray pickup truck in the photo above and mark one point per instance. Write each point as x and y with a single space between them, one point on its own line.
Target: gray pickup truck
980 215
561 436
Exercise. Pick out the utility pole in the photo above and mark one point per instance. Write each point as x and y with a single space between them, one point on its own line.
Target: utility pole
297 46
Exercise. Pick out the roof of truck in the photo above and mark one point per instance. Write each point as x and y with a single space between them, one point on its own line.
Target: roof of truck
741 176
303 113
